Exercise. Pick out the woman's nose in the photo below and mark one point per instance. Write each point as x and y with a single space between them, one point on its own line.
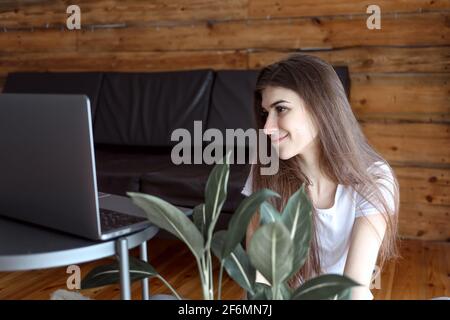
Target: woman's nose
271 125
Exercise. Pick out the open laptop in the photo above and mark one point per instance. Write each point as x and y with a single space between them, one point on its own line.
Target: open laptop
47 169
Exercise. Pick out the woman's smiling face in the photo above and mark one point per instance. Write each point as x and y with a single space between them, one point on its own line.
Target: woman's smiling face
287 122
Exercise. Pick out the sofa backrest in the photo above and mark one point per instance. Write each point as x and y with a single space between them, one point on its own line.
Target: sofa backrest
232 100
143 109
87 83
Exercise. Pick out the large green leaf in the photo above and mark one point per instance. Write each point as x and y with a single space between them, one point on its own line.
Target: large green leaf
261 292
286 292
238 224
324 287
268 213
264 292
171 219
345 295
199 218
237 264
297 219
270 252
216 187
216 194
110 274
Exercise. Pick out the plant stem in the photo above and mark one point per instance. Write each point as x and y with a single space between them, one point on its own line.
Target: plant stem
169 286
275 292
219 288
210 274
203 277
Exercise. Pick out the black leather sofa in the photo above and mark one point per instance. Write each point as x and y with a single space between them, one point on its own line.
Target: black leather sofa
134 115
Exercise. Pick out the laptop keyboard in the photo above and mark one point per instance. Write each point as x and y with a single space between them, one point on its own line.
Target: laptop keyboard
111 220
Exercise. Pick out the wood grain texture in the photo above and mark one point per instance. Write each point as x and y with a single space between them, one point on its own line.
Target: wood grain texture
424 185
421 273
409 280
123 61
108 12
360 61
437 258
40 13
299 33
424 222
293 8
370 59
424 203
411 143
412 97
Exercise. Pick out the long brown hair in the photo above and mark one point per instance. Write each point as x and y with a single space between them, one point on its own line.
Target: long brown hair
344 153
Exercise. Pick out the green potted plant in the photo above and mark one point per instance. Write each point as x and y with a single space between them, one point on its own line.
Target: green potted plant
277 250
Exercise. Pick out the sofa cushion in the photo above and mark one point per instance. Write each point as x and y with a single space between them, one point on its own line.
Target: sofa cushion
87 83
184 185
143 109
119 168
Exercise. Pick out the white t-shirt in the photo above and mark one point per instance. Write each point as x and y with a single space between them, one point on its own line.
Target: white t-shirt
334 225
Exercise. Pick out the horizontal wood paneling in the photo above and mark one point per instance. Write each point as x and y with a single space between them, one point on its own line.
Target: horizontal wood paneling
425 186
373 59
123 61
41 13
53 13
294 8
335 32
420 221
424 202
38 41
411 143
358 60
421 97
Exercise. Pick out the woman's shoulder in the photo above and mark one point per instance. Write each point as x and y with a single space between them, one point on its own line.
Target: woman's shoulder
385 181
379 165
381 170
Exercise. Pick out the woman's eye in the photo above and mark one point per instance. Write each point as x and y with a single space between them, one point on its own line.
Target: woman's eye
280 109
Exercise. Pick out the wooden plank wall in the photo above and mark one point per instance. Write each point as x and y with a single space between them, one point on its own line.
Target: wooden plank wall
400 75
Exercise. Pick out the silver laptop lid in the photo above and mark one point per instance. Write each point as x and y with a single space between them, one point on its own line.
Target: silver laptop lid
47 165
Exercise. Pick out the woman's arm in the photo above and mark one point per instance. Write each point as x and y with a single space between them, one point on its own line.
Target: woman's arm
367 236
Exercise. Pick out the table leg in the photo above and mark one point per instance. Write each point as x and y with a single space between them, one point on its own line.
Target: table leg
124 266
144 282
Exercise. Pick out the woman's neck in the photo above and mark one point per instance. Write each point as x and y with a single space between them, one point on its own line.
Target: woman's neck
309 164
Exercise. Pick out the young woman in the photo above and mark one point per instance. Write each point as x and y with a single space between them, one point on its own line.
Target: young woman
302 107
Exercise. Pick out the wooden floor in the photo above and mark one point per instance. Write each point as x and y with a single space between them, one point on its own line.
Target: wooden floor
423 272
